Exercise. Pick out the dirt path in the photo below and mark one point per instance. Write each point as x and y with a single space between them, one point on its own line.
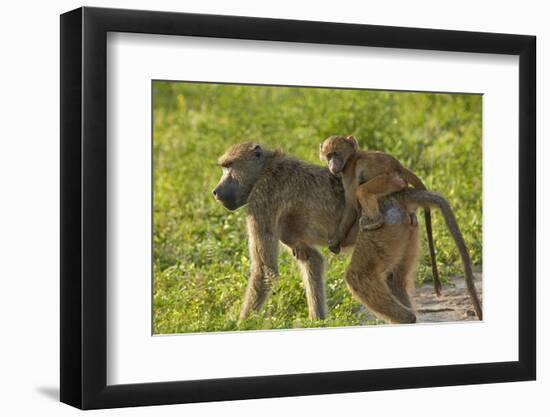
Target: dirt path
453 305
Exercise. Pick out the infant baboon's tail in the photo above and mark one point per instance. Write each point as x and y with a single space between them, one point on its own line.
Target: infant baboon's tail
419 185
429 199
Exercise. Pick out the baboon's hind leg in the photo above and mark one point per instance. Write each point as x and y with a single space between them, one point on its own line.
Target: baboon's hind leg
312 267
373 291
399 288
401 279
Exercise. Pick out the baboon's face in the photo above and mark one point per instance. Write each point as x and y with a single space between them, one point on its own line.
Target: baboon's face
241 166
336 150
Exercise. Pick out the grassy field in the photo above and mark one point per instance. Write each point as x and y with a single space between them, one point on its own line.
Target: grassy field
200 249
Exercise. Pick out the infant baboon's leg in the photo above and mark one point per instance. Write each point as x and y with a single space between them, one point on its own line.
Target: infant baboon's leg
312 267
368 194
264 251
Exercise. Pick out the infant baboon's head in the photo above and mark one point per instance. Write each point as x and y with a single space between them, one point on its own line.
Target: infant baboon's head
336 150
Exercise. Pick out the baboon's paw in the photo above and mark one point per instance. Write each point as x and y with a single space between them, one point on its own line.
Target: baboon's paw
335 249
334 246
371 224
300 253
399 181
405 318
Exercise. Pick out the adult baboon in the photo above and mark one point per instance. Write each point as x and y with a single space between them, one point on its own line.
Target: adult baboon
300 205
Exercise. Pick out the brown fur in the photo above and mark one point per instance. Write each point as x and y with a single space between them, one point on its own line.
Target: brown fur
299 205
368 176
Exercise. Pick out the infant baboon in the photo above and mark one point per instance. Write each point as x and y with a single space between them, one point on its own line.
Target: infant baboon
297 204
382 265
368 176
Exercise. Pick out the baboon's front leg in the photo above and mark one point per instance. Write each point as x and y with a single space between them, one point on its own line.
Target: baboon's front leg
348 219
313 268
264 250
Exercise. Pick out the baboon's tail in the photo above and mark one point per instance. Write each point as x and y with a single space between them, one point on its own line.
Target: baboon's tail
427 199
419 185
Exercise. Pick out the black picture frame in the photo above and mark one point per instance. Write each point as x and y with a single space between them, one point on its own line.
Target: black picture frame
84 207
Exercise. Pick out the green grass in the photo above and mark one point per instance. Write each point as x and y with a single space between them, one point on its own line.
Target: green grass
200 249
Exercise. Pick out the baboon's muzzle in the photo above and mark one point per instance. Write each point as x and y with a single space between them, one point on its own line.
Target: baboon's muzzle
226 197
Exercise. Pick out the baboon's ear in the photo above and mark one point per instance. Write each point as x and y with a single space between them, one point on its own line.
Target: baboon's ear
352 141
257 149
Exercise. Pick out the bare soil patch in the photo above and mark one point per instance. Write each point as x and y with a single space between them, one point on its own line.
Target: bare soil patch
453 305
